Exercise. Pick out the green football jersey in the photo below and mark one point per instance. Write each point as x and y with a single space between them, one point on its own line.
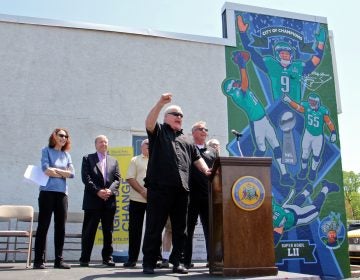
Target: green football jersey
314 119
250 104
282 217
285 80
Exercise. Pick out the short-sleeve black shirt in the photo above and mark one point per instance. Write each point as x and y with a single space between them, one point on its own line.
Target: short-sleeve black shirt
170 157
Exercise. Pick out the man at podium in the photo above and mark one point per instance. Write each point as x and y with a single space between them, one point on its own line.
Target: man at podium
199 192
167 180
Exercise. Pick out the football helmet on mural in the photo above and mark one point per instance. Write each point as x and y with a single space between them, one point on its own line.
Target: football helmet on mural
284 53
314 101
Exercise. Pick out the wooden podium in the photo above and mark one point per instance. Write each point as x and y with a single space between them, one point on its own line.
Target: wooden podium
241 231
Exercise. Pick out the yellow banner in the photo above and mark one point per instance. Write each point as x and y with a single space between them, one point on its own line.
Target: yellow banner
121 220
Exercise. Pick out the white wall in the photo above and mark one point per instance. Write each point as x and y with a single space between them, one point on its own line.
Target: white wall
94 82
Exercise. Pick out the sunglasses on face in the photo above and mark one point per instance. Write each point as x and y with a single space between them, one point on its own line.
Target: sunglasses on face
176 114
202 129
63 136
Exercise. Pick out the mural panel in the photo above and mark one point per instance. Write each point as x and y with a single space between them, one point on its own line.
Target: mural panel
281 97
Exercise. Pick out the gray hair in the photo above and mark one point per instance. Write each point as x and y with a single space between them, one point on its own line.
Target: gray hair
212 142
195 125
101 137
172 108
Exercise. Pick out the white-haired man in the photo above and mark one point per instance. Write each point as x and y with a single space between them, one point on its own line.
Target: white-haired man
171 155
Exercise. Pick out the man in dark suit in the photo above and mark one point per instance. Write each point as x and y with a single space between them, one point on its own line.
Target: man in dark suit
101 175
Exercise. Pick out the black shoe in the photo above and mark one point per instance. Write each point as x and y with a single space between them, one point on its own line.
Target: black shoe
62 265
148 270
109 263
129 264
84 264
180 269
188 266
39 266
163 264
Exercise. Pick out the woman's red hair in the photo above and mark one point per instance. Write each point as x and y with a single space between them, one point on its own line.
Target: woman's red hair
52 140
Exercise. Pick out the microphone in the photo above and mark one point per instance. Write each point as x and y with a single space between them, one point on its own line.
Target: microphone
236 133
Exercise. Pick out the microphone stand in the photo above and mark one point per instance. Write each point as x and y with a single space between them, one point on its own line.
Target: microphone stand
238 145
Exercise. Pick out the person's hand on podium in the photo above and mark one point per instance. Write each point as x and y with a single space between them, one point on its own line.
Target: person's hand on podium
208 172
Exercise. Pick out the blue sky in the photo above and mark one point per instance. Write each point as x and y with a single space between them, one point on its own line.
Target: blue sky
203 17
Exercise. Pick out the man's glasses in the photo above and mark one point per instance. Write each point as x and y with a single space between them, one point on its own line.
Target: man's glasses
176 114
63 136
202 129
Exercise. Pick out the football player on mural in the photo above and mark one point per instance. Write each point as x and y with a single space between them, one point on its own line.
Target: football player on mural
246 100
293 213
285 72
331 231
315 116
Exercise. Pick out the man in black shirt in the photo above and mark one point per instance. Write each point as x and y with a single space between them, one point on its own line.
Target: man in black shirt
199 192
167 179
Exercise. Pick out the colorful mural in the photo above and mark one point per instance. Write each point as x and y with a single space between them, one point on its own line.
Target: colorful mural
281 97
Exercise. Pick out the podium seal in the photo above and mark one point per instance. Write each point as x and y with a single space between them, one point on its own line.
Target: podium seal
248 193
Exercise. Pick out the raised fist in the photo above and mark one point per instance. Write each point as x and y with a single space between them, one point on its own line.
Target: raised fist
166 98
241 25
240 58
333 137
286 98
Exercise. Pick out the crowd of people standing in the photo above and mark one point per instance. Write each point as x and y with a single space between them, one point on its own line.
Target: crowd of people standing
168 185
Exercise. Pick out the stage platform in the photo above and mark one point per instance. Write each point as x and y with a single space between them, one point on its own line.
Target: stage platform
11 271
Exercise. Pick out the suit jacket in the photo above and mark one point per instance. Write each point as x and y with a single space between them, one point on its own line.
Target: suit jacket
94 181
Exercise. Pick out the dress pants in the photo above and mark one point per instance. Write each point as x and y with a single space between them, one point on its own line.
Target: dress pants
50 202
90 225
164 202
136 220
197 207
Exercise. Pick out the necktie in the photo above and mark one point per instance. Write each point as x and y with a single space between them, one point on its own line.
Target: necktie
103 167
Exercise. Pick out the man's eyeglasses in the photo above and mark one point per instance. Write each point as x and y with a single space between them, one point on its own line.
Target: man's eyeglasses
176 114
63 136
202 129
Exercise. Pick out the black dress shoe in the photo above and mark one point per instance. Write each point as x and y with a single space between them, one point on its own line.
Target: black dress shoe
62 265
180 269
148 270
188 266
84 264
109 263
39 266
129 264
163 264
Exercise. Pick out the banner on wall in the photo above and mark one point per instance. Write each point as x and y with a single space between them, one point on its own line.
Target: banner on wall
121 230
281 96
